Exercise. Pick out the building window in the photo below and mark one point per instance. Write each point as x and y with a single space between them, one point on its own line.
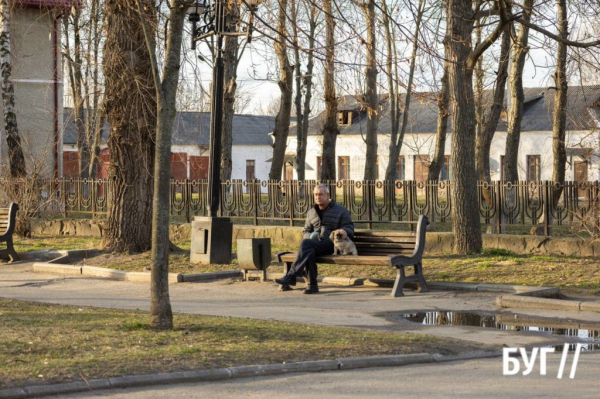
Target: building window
533 168
446 172
401 168
250 169
344 118
343 168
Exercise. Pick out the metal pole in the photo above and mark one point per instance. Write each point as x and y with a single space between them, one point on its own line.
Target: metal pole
216 126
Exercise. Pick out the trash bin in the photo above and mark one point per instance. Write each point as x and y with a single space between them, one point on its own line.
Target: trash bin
254 254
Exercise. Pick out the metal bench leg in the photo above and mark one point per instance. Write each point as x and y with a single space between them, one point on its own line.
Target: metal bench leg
399 283
10 251
423 287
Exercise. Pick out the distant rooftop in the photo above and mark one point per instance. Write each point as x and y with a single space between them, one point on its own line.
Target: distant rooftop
193 128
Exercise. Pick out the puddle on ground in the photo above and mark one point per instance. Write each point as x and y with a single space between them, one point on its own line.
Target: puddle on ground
512 322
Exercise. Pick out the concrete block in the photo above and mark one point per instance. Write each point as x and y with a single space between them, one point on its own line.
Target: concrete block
88 228
46 228
58 269
318 365
138 277
103 272
496 288
526 302
187 278
540 292
258 370
590 307
338 280
56 389
441 285
13 393
69 227
383 361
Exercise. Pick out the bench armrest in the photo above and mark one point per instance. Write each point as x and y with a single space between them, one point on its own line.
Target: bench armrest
403 260
280 254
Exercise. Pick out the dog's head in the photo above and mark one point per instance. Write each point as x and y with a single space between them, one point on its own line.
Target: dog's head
337 236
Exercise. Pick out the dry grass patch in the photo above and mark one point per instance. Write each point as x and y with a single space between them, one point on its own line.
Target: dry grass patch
41 343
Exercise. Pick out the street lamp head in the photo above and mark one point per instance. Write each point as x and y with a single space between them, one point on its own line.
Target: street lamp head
196 9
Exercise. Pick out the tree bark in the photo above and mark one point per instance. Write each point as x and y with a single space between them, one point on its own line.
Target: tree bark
465 214
330 127
286 87
443 105
130 106
517 98
484 140
16 159
560 102
371 96
230 62
166 90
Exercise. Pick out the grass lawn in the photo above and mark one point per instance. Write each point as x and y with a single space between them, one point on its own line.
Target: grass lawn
42 343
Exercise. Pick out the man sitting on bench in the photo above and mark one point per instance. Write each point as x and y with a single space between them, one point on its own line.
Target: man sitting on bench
323 218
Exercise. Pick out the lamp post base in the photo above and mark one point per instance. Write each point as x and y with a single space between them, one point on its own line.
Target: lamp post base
211 240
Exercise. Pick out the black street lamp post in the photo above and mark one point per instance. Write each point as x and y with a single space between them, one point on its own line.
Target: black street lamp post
215 20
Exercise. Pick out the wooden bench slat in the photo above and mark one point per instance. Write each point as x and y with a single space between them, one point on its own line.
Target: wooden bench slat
383 241
385 244
383 234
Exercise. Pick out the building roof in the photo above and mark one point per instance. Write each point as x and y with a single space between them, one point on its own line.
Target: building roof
193 128
582 113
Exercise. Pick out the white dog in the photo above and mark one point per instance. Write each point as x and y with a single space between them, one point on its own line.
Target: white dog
343 246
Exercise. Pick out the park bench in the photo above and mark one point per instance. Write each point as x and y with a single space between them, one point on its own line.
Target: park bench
8 220
382 248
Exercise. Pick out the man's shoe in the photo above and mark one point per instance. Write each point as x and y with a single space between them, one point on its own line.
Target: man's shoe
311 290
286 280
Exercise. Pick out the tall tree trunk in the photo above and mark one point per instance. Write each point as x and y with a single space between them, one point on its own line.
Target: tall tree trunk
465 214
484 140
76 80
443 105
16 159
391 70
330 127
308 85
130 106
517 98
371 97
560 102
96 123
166 90
230 62
396 139
286 87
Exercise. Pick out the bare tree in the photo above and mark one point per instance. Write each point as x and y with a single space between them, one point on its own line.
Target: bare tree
330 127
560 101
443 106
517 97
371 96
130 106
489 121
396 139
166 89
16 159
286 87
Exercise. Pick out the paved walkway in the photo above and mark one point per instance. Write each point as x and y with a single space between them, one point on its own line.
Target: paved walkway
362 307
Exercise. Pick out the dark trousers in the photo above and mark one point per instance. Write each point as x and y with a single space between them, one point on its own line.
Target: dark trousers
307 258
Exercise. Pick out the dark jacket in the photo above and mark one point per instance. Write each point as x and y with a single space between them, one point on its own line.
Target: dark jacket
334 217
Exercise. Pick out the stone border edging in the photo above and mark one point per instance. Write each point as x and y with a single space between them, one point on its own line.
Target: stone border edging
229 373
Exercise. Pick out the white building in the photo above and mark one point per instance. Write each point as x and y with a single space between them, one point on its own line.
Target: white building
535 151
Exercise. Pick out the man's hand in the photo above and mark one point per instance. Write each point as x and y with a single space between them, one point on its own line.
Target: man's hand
344 233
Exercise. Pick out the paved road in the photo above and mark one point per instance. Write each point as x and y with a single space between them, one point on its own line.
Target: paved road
465 379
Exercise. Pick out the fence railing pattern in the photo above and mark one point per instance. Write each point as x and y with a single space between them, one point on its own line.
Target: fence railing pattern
500 203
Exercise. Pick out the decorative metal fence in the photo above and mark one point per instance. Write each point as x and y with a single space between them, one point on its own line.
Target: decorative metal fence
260 202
